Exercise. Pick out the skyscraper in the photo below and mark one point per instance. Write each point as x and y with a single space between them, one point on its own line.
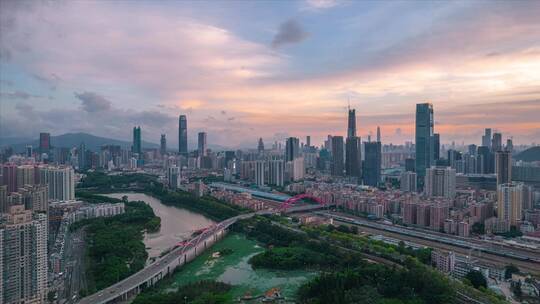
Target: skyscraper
408 181
378 134
337 155
260 146
44 142
496 142
202 144
137 146
308 141
292 149
486 138
61 182
424 139
351 128
182 135
510 202
503 167
483 160
163 145
81 157
372 163
353 157
436 146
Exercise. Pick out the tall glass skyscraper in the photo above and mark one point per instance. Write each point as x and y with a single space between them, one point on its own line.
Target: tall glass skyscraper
292 149
424 139
372 163
137 146
337 155
353 158
182 135
351 129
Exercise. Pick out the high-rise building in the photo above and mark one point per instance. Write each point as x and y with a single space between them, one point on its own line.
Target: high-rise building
409 164
351 127
35 197
509 145
163 145
483 160
408 181
61 182
510 202
260 146
25 176
337 155
173 177
486 138
437 214
378 134
308 141
29 151
424 139
496 142
372 163
182 135
436 146
503 167
276 172
3 199
202 148
81 157
292 149
137 144
353 157
9 176
440 182
23 257
44 142
260 172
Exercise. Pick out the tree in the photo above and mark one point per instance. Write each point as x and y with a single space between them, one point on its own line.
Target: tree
476 278
509 270
478 228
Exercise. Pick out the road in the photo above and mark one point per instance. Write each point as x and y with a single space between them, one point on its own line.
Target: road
375 228
74 270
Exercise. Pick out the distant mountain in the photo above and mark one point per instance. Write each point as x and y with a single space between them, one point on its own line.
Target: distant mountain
529 155
69 140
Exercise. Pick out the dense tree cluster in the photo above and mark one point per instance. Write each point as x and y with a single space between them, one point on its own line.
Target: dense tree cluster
101 182
378 284
202 292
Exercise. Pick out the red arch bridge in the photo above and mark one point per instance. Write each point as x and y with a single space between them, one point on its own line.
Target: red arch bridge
288 204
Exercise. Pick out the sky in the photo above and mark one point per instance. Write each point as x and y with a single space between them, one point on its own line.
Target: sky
271 69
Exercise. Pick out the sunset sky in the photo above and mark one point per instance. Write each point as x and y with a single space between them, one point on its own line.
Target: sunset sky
248 69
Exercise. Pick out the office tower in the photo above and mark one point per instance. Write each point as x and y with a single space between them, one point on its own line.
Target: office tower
408 181
470 165
510 202
509 145
424 139
61 182
29 151
440 182
436 146
483 160
486 138
308 141
25 176
173 177
182 135
472 149
372 163
137 144
23 257
503 167
260 170
328 144
337 154
44 142
163 145
276 172
297 169
353 157
260 146
201 147
292 149
496 142
351 127
378 134
409 164
35 198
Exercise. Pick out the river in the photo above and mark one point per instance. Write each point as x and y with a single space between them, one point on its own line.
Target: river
177 224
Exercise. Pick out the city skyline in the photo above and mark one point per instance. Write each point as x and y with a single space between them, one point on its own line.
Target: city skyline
275 78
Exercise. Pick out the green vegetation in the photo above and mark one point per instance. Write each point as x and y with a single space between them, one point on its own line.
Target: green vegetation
478 228
202 292
289 258
375 283
514 232
115 244
476 279
101 182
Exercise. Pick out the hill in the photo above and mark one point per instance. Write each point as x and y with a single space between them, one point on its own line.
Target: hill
529 155
69 140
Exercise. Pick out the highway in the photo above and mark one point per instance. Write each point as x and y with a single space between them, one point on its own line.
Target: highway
434 240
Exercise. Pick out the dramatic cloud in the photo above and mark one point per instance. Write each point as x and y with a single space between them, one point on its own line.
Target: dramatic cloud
92 102
289 32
